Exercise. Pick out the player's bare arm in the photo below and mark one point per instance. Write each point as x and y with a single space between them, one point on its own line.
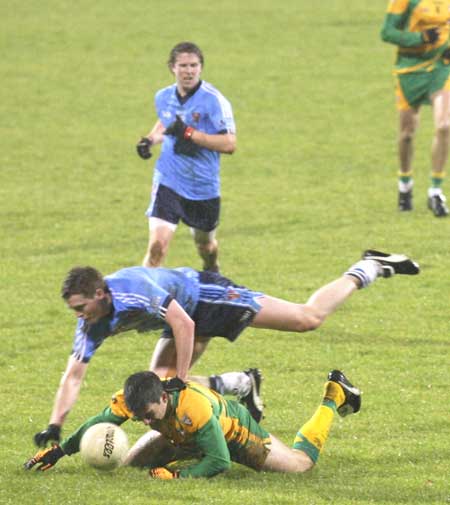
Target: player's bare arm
68 390
223 143
183 330
156 133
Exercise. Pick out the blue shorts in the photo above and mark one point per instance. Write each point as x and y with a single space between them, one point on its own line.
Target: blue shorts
170 206
224 309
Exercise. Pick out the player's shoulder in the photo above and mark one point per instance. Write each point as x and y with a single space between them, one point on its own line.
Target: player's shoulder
165 92
208 88
118 406
194 407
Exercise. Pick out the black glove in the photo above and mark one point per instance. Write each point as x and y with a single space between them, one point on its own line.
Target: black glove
143 148
177 128
430 36
174 384
45 458
53 432
186 147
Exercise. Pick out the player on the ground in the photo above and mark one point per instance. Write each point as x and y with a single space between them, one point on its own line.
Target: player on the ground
195 126
194 421
191 307
420 30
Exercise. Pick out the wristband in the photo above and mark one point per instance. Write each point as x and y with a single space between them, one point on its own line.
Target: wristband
188 133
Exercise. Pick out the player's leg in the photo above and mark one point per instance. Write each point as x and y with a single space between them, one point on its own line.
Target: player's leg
164 358
207 247
164 214
286 316
439 154
202 216
339 396
408 124
160 235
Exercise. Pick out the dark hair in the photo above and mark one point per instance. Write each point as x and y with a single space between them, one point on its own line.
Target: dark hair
184 47
82 281
141 389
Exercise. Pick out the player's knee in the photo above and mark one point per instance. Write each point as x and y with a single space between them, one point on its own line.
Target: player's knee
309 319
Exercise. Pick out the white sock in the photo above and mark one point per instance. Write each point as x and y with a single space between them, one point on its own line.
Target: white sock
236 383
434 191
365 270
405 187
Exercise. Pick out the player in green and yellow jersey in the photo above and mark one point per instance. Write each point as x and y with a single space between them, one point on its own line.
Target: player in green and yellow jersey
420 30
189 419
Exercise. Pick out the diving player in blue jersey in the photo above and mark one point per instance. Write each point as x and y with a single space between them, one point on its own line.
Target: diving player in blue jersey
195 125
190 307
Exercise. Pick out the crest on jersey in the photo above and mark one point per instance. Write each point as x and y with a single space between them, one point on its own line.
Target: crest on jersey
232 295
196 117
186 420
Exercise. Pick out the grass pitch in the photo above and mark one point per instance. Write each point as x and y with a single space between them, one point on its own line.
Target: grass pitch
311 185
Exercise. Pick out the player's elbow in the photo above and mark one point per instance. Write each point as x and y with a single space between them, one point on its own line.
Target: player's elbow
384 34
230 146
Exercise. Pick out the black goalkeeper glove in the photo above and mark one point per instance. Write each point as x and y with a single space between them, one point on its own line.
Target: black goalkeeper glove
143 148
174 384
53 432
430 36
179 129
186 147
45 458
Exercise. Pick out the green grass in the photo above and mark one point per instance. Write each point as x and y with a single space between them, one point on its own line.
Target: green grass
311 185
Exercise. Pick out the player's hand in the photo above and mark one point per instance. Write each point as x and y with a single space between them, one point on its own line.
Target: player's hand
45 458
186 147
430 36
162 473
174 384
179 129
52 433
143 148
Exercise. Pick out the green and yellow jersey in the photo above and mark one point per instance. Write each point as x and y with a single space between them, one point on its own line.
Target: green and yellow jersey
403 26
197 417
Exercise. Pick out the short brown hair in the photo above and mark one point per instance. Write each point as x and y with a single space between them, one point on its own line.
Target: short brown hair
82 281
184 47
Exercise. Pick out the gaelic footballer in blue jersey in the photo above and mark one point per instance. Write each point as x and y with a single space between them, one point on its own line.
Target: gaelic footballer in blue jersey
190 308
195 125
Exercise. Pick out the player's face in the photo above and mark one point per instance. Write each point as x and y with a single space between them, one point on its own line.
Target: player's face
187 69
154 411
90 309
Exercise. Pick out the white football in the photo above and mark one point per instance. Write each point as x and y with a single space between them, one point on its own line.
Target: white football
104 446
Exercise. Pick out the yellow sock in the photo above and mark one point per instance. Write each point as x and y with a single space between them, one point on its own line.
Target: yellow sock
313 434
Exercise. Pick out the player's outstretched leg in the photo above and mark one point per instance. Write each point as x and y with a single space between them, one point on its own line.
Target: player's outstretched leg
339 396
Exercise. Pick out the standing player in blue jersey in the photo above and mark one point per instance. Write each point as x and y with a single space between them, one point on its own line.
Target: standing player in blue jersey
190 307
195 125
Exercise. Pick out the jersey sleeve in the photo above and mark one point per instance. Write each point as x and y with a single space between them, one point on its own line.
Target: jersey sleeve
84 345
195 414
393 27
221 115
115 413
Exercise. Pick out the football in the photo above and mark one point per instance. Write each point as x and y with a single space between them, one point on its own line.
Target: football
104 446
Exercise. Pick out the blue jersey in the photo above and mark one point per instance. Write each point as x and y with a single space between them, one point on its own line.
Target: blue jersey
207 110
140 297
